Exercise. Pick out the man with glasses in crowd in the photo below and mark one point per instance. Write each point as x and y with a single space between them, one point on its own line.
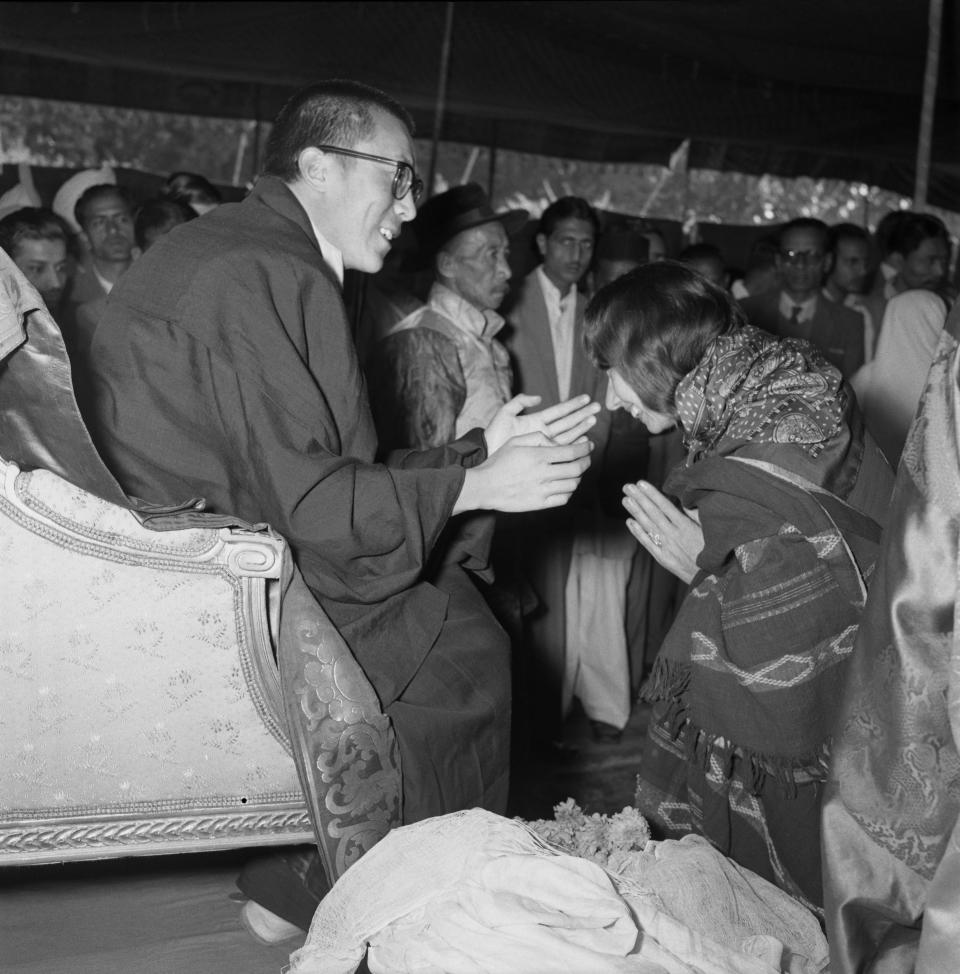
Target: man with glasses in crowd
798 308
225 368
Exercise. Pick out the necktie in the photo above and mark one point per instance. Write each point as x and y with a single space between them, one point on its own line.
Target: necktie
563 344
795 314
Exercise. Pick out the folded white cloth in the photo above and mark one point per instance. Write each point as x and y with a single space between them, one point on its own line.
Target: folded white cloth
475 893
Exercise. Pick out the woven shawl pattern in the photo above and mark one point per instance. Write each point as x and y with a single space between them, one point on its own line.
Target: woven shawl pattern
748 681
755 656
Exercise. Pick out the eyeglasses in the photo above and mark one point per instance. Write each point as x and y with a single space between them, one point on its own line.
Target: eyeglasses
804 258
405 180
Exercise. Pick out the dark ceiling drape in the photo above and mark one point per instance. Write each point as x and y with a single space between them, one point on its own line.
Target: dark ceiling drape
819 88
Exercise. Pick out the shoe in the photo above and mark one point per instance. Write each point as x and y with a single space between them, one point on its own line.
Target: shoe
267 927
605 733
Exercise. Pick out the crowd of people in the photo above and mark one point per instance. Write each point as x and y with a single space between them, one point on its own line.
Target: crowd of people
495 547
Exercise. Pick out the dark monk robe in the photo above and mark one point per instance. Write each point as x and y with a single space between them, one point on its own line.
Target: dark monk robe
224 368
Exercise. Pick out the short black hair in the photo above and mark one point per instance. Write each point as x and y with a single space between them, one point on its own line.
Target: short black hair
804 223
337 112
190 188
654 325
567 208
161 215
621 241
94 193
910 232
700 251
885 228
649 229
846 231
32 223
763 252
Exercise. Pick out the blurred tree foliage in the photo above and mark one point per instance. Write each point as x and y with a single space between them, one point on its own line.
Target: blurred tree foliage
229 151
68 134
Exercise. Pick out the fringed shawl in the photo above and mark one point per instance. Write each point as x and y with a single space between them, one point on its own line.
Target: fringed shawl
755 658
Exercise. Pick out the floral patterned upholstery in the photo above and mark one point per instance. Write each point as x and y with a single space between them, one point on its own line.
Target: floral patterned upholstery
141 701
168 683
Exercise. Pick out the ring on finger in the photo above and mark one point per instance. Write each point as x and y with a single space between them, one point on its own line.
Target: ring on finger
656 539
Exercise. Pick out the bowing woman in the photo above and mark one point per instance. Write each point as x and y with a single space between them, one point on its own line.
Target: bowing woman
781 502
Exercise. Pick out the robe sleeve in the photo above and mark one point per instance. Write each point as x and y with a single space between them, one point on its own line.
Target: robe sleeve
230 401
417 389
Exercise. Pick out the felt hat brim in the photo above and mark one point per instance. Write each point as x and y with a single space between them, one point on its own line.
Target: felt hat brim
431 241
512 220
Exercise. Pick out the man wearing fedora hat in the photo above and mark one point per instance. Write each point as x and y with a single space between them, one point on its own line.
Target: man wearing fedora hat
441 371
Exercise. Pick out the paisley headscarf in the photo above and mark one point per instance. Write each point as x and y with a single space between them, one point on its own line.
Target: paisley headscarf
752 387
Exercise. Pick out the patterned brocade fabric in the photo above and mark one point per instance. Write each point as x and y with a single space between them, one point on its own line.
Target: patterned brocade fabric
417 389
439 373
891 840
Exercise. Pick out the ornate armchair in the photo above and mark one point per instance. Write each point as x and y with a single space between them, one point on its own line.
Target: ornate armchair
142 708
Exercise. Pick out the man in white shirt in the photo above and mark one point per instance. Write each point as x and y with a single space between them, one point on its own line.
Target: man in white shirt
577 560
105 215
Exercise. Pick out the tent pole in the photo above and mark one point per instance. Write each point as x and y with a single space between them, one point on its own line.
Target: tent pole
441 95
257 134
925 139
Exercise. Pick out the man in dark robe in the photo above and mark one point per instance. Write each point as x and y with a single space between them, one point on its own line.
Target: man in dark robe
224 368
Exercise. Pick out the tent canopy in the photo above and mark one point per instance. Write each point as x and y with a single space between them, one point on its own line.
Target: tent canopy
818 88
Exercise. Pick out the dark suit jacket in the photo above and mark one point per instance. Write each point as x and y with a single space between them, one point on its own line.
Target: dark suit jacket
83 290
836 330
530 344
543 540
83 287
224 367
